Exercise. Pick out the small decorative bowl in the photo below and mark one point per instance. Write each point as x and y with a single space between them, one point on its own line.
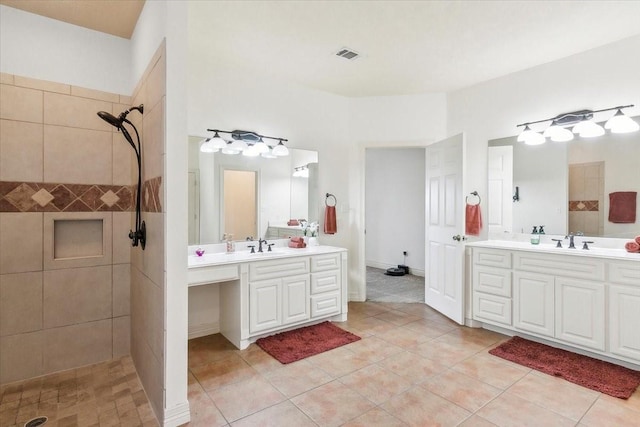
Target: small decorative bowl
199 252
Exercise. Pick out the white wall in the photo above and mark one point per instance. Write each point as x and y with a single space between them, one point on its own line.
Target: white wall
395 207
43 48
600 78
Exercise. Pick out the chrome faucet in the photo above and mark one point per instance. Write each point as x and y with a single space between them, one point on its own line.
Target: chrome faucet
260 242
570 237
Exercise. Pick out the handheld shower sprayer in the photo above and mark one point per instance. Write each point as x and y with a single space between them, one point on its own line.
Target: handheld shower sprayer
139 236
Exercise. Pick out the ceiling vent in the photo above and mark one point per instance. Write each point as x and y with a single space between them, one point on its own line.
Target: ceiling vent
347 54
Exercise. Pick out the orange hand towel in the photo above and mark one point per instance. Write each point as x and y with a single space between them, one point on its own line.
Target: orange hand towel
622 207
297 239
330 226
473 220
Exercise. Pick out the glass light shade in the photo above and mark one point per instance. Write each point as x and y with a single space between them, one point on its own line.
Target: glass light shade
269 155
218 142
530 137
280 150
238 145
251 151
620 123
261 147
207 147
588 129
558 133
230 150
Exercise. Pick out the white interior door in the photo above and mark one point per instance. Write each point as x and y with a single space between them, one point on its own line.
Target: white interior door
500 186
444 280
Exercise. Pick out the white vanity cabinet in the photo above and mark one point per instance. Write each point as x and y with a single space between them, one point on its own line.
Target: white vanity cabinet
278 293
589 302
263 293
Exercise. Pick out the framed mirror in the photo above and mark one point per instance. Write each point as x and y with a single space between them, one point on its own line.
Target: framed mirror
564 186
249 197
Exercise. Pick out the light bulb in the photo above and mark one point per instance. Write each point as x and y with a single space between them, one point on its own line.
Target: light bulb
280 150
530 137
620 123
588 129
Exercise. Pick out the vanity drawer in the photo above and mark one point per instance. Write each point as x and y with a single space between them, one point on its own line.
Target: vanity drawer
495 281
492 257
625 273
325 282
492 308
325 262
325 304
213 274
560 265
278 268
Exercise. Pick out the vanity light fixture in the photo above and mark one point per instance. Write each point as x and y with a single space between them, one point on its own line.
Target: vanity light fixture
249 143
301 171
584 126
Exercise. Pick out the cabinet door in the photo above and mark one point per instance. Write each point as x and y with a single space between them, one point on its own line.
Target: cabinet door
325 304
492 308
295 299
624 321
533 297
264 304
580 312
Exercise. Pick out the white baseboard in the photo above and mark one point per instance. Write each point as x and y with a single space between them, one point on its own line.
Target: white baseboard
384 266
203 329
177 415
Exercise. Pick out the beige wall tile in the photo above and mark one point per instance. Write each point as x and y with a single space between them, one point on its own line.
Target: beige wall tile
156 83
147 314
73 111
52 262
125 99
77 156
121 336
21 146
18 103
42 85
121 289
153 144
20 242
76 295
150 371
124 171
20 303
122 223
21 356
94 94
6 79
153 255
77 345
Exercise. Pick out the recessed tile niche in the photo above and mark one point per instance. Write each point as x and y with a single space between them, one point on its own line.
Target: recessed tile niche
77 239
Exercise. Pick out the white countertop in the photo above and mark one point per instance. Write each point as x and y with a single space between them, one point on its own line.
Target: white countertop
244 255
548 248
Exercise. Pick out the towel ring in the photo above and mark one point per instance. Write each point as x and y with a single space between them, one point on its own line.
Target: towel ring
473 193
326 200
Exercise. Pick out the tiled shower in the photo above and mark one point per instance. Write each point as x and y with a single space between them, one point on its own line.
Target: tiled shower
72 290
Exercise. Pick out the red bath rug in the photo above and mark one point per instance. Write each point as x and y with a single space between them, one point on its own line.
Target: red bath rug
605 377
300 343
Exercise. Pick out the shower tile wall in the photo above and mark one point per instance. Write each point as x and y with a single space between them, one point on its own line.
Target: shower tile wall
147 267
58 158
586 198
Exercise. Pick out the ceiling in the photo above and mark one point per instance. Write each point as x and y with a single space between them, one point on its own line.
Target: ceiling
115 17
406 47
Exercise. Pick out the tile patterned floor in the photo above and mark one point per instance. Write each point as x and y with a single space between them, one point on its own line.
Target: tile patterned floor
413 367
383 288
105 394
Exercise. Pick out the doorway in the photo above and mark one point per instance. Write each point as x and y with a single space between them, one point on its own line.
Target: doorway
394 223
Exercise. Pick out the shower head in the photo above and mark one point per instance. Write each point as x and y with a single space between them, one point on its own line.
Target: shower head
111 119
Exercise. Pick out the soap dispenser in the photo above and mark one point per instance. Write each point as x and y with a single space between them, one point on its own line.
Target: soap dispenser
535 236
231 245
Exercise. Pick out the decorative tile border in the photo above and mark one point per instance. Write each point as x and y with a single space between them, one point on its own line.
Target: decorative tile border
584 206
55 197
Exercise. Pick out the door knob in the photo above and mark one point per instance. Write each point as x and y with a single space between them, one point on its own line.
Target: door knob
458 237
